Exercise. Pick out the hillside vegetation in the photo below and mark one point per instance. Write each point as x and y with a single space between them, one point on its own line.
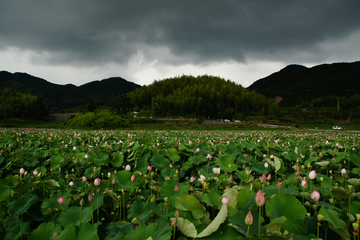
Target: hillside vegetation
202 96
296 84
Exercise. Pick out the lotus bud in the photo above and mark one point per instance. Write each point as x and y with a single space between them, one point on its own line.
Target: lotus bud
171 166
355 226
266 165
82 202
320 217
192 178
98 190
177 213
55 233
135 221
61 200
304 184
278 185
322 179
312 175
22 171
83 179
260 198
133 178
249 218
109 175
216 171
173 224
263 178
113 181
127 168
35 172
231 178
39 175
315 195
97 181
269 177
176 189
343 171
71 183
225 200
90 197
149 168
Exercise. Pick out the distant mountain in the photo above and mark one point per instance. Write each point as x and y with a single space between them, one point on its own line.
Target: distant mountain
69 95
296 83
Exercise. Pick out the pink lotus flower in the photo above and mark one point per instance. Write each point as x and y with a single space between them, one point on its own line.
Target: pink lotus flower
202 178
343 171
249 218
35 172
263 178
22 171
208 156
133 178
83 179
61 200
216 170
260 198
97 181
266 165
149 168
225 200
315 195
192 178
269 177
128 168
312 175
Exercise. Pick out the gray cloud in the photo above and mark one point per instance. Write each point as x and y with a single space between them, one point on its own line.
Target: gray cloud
91 32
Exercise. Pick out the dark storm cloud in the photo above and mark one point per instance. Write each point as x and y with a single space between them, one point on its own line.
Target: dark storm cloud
87 32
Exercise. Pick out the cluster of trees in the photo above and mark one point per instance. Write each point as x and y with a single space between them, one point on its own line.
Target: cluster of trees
20 105
331 101
203 96
99 119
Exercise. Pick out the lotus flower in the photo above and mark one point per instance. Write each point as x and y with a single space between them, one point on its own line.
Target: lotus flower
225 200
128 168
90 197
216 170
61 200
35 172
22 171
260 198
266 165
343 171
133 178
83 179
304 184
176 189
149 168
192 178
71 183
249 218
263 178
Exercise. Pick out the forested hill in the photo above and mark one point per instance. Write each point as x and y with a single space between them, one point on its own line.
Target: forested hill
296 83
67 96
205 96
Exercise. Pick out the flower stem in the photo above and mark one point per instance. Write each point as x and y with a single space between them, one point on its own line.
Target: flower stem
248 229
259 221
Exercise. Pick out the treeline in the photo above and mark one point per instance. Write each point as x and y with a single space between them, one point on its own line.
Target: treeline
202 96
20 105
348 103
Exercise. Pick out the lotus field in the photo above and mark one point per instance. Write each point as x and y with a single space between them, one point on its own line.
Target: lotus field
68 184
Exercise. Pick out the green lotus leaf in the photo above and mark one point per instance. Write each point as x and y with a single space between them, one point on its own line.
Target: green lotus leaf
238 222
5 192
224 232
215 224
355 182
117 160
56 161
355 159
100 159
226 164
186 227
114 229
339 192
164 224
123 180
190 203
45 231
173 154
147 231
72 216
232 196
168 190
50 205
212 198
355 208
335 223
246 199
84 231
141 164
290 207
137 210
15 230
275 225
20 205
160 162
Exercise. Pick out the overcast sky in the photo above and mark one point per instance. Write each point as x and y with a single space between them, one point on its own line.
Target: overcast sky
78 41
